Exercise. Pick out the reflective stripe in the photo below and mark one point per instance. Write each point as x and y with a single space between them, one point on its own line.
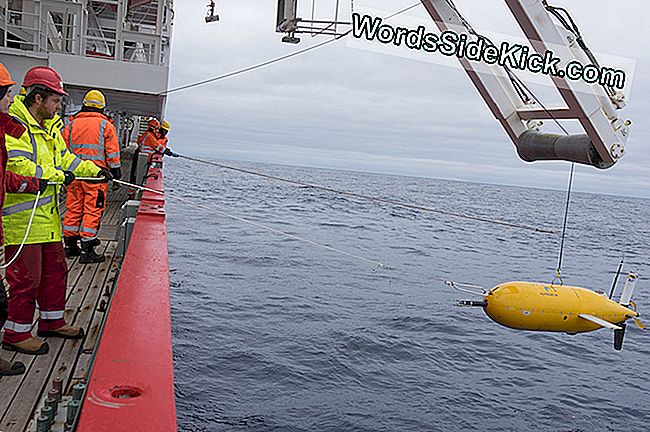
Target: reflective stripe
113 155
70 136
52 315
88 230
22 187
75 163
18 328
39 172
23 153
63 152
84 239
114 165
83 146
27 205
71 228
90 157
102 127
34 157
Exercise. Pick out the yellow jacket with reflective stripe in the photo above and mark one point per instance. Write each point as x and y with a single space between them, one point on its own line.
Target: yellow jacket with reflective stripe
39 152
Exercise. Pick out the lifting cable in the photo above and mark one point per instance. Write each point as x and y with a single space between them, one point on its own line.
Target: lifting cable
372 198
518 83
378 264
275 60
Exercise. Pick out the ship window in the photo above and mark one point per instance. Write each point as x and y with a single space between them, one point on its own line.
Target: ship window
101 30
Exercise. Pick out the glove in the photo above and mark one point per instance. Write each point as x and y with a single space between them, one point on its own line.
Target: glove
42 185
106 174
117 173
168 152
69 178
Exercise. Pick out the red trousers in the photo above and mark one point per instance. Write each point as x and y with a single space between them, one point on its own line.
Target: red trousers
85 203
40 275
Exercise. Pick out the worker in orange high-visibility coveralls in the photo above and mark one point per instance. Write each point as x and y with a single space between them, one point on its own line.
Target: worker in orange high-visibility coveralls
163 140
147 144
90 136
148 141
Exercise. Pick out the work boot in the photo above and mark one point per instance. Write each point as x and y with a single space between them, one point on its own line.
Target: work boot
30 346
71 247
8 368
65 332
88 254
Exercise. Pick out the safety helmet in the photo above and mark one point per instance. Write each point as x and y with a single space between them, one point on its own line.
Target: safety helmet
165 125
153 123
22 91
46 77
5 78
95 99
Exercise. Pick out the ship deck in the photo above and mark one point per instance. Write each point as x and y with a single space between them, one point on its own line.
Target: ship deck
88 292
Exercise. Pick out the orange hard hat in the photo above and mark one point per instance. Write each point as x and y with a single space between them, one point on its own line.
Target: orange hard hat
5 78
153 123
45 76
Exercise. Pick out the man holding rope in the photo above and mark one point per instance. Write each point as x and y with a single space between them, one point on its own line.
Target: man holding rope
39 273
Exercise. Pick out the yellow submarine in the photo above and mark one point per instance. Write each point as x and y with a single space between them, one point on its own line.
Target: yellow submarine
556 308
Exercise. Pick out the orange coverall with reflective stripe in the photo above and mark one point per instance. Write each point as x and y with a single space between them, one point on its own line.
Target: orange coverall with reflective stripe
90 136
148 144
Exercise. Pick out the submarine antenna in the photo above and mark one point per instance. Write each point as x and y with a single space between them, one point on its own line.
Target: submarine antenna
618 273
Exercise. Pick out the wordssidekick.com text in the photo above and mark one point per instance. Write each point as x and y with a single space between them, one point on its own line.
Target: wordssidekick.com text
513 56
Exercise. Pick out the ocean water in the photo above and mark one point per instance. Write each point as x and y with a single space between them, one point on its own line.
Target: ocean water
274 334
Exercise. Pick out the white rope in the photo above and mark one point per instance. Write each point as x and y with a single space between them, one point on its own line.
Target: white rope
256 224
29 227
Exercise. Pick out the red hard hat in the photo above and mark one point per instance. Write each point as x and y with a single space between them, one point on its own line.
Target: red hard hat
45 76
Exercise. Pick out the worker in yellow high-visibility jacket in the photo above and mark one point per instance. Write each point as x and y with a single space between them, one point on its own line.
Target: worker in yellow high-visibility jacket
39 274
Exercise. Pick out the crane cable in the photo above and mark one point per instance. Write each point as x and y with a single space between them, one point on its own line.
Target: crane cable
274 60
520 83
372 198
378 264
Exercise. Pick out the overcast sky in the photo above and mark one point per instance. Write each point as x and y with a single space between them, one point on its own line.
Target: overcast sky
345 108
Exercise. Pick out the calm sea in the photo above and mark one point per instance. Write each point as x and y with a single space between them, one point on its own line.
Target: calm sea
273 334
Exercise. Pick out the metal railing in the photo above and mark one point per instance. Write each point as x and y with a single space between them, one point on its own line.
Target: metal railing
102 32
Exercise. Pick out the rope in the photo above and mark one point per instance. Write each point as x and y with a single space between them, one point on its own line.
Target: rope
256 224
375 199
272 61
29 227
518 83
558 271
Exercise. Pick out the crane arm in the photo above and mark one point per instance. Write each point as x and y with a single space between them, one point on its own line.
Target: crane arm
605 135
593 106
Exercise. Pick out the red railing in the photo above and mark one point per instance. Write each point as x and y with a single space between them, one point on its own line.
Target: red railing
131 386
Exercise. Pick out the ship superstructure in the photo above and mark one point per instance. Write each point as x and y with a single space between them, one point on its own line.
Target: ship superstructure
119 46
106 381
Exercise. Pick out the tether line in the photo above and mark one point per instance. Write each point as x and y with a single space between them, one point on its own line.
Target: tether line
378 264
376 199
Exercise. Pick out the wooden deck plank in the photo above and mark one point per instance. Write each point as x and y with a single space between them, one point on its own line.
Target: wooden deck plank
63 355
38 366
8 383
68 357
20 395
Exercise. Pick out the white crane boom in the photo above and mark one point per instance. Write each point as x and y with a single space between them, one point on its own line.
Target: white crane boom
594 106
